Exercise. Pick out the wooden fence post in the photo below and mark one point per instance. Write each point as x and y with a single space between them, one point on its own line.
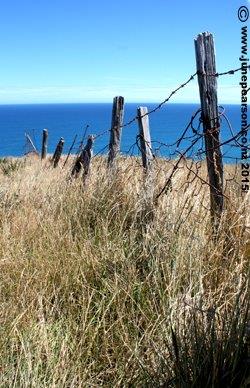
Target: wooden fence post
116 126
206 69
84 160
145 139
44 144
147 158
58 152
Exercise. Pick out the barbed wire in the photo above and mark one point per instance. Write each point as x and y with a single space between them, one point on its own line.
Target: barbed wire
159 106
229 72
191 140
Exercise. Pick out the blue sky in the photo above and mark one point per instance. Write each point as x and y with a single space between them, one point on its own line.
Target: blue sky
93 50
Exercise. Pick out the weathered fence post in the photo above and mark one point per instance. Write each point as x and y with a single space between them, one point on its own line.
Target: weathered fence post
147 158
116 126
44 144
58 152
84 160
206 70
145 139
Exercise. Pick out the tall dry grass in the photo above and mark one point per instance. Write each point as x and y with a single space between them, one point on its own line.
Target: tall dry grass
91 297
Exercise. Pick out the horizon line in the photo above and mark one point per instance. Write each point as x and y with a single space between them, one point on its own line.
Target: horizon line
106 102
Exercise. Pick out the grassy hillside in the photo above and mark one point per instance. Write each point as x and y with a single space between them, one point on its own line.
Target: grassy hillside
91 296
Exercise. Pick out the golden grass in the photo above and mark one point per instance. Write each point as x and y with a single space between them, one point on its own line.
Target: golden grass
91 297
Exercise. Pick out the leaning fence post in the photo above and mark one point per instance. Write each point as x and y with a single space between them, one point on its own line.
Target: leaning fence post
44 144
30 142
58 152
116 126
83 160
206 70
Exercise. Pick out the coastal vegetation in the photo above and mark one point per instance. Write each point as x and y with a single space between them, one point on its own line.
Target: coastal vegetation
98 289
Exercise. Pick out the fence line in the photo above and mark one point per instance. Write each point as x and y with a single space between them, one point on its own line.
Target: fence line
195 142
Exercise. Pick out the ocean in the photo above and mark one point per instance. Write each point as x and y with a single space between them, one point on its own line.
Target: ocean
67 120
